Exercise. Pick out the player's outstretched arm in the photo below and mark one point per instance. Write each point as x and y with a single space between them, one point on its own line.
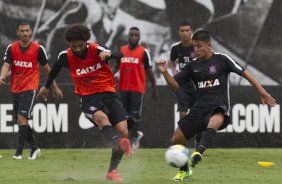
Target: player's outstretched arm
4 73
264 96
151 77
57 93
43 93
169 79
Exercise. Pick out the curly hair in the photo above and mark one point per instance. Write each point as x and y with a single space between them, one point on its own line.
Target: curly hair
76 32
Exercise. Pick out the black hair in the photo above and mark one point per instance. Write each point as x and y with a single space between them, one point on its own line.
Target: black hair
134 28
76 32
201 35
185 22
22 24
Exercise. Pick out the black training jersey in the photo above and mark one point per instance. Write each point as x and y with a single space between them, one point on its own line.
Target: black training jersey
211 78
181 54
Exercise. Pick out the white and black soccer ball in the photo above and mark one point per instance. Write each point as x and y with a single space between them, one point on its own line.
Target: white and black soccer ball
177 155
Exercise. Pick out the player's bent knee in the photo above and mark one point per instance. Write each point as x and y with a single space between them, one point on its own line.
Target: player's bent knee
101 119
21 120
123 132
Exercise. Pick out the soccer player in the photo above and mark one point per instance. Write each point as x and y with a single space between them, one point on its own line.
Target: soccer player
211 112
94 83
23 58
136 61
182 53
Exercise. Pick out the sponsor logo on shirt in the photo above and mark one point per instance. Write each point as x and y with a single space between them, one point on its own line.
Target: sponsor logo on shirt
88 70
130 60
24 64
208 84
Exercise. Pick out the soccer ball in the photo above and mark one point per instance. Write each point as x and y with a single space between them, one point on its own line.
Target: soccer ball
177 155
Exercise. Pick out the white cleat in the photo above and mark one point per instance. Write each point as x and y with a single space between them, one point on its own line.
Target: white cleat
136 141
34 154
17 157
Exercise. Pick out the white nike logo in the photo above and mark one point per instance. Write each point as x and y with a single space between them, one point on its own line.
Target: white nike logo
84 123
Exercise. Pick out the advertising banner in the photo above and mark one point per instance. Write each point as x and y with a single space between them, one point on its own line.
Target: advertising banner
60 124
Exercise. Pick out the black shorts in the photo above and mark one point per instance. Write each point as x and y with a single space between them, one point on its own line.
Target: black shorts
198 118
186 97
132 102
106 102
24 102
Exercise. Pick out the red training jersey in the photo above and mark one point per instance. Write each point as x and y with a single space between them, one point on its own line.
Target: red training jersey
90 75
132 73
25 71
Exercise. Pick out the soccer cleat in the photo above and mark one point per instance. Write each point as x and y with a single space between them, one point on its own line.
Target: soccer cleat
113 175
125 145
34 154
183 175
17 157
196 157
136 140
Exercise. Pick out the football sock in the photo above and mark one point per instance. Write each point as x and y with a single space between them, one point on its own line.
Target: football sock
184 168
198 139
111 135
207 140
117 155
22 134
30 138
133 131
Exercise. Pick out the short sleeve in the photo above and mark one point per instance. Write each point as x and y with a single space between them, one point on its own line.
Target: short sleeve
173 53
232 65
147 59
184 75
8 55
42 56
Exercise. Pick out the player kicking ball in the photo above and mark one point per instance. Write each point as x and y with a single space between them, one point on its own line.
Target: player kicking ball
209 71
94 83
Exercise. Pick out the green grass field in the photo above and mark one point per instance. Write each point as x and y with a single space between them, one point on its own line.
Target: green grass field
146 166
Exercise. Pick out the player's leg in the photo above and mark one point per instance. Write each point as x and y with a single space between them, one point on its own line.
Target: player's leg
20 144
182 102
21 138
117 116
23 104
136 106
186 130
215 121
29 101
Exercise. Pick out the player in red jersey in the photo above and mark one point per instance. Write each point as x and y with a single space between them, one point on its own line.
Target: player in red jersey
135 63
23 58
94 83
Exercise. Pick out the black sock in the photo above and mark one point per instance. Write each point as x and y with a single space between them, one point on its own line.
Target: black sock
111 135
207 140
184 168
132 125
117 155
133 130
22 134
30 138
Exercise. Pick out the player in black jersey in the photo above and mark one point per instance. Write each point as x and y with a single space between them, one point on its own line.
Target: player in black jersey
211 112
182 53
